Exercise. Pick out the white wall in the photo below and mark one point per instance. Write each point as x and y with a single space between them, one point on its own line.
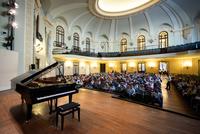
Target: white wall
8 68
19 41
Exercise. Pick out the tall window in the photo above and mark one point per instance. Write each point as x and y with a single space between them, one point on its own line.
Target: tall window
163 67
123 67
141 67
141 42
76 39
60 36
123 45
163 39
88 44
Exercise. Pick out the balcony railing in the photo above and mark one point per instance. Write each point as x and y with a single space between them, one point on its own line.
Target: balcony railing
131 52
59 44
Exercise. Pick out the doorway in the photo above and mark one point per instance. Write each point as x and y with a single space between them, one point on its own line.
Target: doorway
102 67
75 68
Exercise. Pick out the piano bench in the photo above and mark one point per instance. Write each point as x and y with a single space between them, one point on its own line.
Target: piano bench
65 110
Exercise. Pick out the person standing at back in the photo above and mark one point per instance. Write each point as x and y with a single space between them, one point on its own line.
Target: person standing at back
169 79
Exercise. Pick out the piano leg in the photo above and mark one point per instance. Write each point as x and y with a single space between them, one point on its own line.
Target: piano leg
50 106
28 112
70 98
55 101
56 104
22 98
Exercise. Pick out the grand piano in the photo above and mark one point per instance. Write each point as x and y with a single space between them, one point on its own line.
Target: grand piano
35 88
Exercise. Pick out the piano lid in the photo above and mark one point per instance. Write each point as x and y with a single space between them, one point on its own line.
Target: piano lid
19 78
29 76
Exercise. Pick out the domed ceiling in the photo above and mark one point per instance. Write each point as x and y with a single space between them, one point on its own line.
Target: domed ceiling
170 15
117 8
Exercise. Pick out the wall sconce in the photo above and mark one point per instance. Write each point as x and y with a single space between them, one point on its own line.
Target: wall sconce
111 65
132 64
68 64
82 65
94 65
152 64
187 64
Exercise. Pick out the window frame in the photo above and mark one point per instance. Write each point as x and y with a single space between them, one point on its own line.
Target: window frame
123 44
141 42
87 42
163 39
76 39
60 36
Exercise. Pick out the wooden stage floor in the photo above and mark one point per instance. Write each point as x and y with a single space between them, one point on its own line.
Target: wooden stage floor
100 114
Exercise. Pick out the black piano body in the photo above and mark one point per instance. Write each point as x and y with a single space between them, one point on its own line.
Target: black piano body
34 91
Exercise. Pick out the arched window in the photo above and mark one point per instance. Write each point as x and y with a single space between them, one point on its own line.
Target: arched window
87 44
141 42
60 36
76 39
163 39
124 45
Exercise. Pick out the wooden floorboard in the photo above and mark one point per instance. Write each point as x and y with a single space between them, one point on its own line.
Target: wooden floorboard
100 114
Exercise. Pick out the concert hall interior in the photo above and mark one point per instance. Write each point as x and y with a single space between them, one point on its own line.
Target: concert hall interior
99 66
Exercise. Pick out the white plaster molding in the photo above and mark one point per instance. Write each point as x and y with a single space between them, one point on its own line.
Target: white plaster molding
150 24
131 27
87 24
76 18
66 8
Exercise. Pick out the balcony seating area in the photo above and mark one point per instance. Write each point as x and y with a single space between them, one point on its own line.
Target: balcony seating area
149 51
138 87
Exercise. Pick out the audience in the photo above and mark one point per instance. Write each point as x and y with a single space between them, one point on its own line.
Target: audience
189 87
141 87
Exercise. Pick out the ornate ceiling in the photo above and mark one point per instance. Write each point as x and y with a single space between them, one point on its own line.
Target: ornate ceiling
171 14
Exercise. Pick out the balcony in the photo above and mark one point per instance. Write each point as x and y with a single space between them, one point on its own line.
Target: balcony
150 50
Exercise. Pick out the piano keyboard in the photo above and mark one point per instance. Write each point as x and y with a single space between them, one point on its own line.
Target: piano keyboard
55 95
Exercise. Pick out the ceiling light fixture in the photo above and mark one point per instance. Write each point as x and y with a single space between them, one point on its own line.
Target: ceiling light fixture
120 5
117 8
